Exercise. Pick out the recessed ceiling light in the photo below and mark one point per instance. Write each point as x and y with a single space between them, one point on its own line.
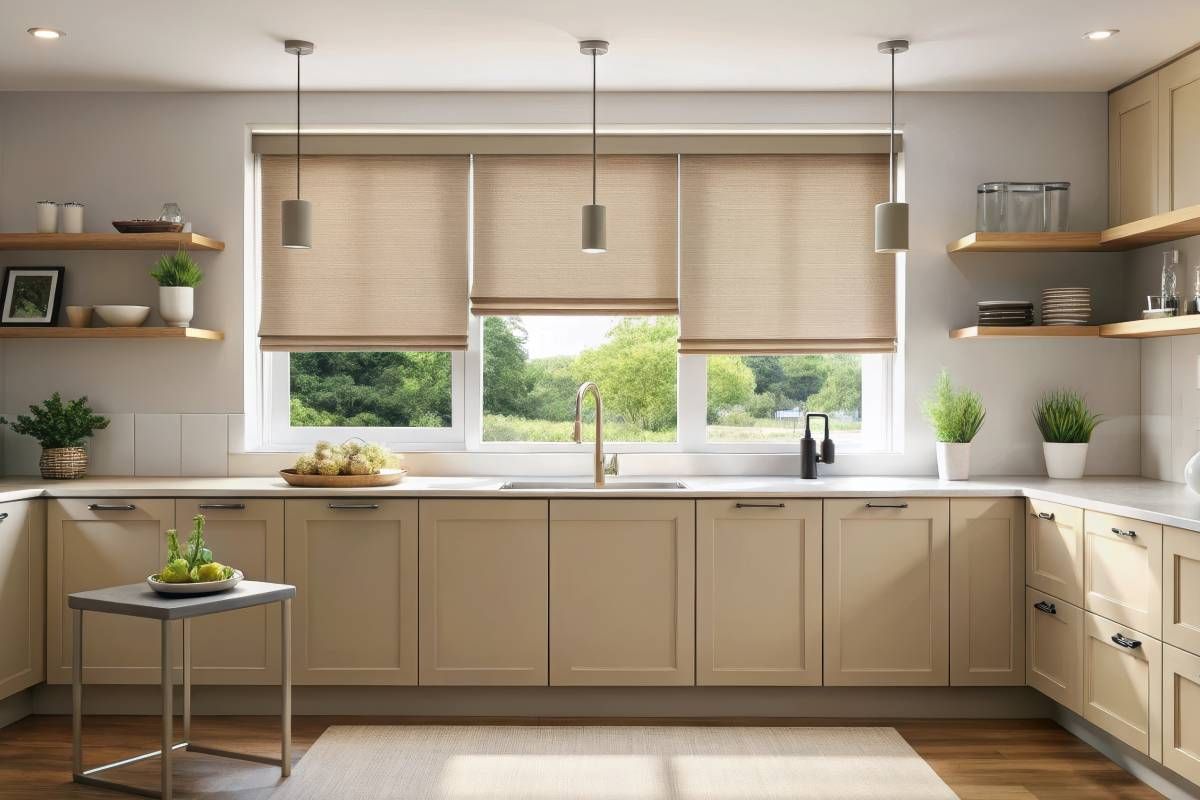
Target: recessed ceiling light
1096 36
45 33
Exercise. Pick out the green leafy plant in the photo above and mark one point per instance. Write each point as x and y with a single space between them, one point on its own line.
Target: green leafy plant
1063 416
194 564
58 424
177 269
956 415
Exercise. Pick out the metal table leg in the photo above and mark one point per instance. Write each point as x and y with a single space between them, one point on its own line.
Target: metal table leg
285 637
168 717
76 691
187 679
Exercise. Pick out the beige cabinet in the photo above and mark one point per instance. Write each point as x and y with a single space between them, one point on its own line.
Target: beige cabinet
1181 589
238 647
758 592
1122 570
1133 169
1181 712
622 592
887 574
1179 133
1055 649
354 565
987 592
1054 550
22 595
91 544
1122 683
483 592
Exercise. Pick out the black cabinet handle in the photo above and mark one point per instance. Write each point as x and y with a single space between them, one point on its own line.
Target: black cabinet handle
1125 641
1045 608
1047 515
759 505
887 505
1128 534
222 506
111 507
354 506
3 516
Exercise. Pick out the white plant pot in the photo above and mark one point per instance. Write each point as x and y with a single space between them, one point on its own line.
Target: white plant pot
954 461
175 305
1065 460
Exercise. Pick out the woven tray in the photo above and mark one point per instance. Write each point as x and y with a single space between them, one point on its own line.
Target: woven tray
389 477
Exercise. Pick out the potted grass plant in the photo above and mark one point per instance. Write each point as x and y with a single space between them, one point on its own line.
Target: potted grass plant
955 415
1066 424
60 429
178 275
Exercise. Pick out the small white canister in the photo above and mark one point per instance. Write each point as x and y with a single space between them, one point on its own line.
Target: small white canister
71 220
47 216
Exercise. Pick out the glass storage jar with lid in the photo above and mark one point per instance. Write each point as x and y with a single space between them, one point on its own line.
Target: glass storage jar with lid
1058 195
989 207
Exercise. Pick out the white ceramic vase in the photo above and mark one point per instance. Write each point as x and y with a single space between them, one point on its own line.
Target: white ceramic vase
1191 473
954 461
1065 459
175 305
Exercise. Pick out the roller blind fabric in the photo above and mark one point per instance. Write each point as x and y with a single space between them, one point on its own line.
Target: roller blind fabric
388 264
527 235
777 255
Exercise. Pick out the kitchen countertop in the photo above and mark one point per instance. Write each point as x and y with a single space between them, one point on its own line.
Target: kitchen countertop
1150 500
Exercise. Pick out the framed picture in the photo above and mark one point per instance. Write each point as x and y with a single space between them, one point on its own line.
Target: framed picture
32 296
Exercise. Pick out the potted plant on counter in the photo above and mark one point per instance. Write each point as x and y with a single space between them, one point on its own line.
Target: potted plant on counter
60 429
177 276
955 415
1066 424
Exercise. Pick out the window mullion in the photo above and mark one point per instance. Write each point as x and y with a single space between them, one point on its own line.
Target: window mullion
693 403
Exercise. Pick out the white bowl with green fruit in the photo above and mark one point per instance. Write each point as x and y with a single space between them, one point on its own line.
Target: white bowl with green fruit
192 570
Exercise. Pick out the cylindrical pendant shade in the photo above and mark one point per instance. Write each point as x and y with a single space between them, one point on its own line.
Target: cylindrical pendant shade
891 228
297 224
595 239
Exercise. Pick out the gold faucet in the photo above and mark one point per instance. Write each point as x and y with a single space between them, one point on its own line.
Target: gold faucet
598 464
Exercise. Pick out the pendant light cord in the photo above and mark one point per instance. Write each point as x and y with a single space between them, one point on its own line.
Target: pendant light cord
593 127
892 137
297 124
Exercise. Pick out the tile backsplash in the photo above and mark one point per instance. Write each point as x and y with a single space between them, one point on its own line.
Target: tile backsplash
1170 405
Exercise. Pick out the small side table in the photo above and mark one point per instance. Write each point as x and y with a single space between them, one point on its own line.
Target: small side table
139 600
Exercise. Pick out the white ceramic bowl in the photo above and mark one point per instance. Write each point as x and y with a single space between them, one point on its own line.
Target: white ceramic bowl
208 587
123 316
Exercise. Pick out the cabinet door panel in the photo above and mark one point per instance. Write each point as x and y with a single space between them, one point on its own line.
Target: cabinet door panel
987 592
354 565
92 548
1133 171
1122 685
1054 550
1055 649
1123 570
622 592
887 576
484 592
1179 133
22 595
758 598
1181 712
1181 589
238 647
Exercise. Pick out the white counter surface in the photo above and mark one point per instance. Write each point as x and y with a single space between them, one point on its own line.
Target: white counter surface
1153 501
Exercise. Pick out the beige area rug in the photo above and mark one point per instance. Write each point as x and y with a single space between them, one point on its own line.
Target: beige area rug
611 763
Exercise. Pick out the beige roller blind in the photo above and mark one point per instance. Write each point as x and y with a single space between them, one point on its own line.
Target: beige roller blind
388 264
527 235
777 255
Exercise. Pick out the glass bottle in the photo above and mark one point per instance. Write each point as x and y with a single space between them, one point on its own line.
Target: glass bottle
1169 286
170 213
1194 303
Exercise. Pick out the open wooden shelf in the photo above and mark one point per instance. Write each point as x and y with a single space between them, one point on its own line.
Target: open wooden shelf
198 334
1152 328
986 332
108 241
1153 230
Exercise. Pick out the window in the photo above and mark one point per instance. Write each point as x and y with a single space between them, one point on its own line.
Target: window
532 366
370 390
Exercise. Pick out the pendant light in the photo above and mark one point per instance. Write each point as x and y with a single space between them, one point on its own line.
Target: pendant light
891 218
297 214
594 216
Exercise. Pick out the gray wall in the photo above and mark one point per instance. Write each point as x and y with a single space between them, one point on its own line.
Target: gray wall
125 154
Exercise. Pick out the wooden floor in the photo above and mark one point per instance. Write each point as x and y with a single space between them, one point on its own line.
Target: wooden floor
979 759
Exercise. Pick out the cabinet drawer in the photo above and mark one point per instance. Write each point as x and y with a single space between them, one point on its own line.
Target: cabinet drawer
1181 712
1181 589
1055 648
1122 571
1122 683
1054 550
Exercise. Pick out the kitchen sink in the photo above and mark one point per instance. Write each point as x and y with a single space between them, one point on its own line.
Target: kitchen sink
572 486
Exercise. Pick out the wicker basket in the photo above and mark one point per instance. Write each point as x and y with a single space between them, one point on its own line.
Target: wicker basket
63 463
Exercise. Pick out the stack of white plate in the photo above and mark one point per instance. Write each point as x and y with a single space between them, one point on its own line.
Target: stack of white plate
1071 306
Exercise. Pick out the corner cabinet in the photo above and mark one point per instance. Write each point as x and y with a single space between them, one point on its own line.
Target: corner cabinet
887 573
22 595
622 592
354 564
758 592
1179 133
1133 147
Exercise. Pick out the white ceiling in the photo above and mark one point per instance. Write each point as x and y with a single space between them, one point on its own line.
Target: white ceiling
514 45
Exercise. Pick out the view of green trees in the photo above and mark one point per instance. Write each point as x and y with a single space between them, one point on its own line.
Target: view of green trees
533 400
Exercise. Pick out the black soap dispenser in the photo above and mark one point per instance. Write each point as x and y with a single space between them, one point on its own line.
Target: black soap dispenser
809 457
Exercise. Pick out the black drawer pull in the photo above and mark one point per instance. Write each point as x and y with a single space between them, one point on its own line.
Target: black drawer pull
1045 608
1125 641
1047 515
3 516
887 505
222 506
354 506
1128 534
111 507
759 505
